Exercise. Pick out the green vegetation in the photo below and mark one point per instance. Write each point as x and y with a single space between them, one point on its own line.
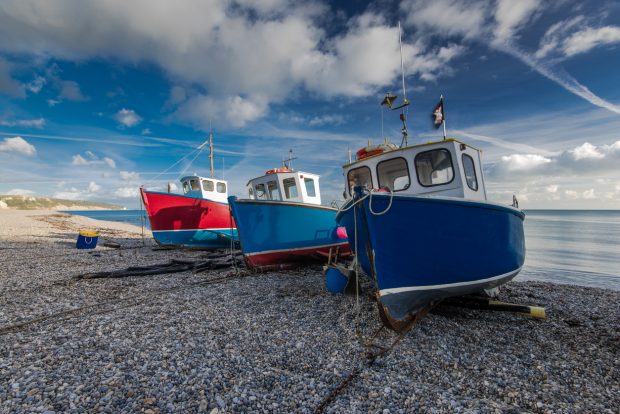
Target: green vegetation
19 202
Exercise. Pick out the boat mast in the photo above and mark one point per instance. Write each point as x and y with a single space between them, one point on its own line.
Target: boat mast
405 101
211 152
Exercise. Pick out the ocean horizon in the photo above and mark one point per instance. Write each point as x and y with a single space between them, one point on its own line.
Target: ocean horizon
576 247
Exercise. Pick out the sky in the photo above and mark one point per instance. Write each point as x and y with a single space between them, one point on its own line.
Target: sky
100 97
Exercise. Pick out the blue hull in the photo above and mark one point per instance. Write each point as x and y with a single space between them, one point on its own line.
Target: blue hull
276 233
425 249
215 239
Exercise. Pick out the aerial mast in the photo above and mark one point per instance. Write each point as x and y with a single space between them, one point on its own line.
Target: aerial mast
211 152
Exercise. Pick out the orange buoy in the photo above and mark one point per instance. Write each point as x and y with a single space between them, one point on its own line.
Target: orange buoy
276 170
372 150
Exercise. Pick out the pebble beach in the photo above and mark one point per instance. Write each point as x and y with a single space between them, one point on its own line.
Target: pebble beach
273 342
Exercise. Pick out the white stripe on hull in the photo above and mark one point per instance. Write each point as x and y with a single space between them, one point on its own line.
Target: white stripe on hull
297 248
385 292
224 228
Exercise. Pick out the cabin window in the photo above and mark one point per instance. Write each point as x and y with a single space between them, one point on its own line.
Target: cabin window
185 187
207 185
290 188
393 174
470 172
250 192
194 184
221 187
274 193
310 189
359 177
261 194
434 167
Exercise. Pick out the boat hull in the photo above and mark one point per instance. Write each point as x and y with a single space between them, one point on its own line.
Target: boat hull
423 249
274 234
178 220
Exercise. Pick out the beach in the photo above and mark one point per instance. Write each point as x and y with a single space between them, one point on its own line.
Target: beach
273 342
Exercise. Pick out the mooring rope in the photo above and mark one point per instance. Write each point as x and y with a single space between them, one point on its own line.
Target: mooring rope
387 208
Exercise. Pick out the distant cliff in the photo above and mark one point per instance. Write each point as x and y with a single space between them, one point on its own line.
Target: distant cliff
19 202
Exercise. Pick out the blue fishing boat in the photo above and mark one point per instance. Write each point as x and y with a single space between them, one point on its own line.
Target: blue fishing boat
283 222
421 226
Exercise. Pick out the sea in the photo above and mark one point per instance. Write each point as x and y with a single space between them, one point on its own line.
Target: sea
578 247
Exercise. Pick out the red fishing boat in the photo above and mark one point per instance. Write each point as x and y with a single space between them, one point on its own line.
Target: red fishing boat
199 217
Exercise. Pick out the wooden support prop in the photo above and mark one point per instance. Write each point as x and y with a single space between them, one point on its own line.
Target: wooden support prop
482 303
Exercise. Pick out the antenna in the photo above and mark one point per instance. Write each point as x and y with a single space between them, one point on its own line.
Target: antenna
211 152
389 99
287 163
405 101
402 64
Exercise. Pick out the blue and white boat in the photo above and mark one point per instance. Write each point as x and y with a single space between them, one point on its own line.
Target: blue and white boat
422 228
283 222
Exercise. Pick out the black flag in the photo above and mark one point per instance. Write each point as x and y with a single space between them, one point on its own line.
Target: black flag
438 115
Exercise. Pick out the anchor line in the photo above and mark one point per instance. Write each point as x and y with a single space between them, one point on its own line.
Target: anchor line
371 357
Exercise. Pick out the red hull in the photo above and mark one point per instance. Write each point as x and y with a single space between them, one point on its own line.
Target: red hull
178 212
289 257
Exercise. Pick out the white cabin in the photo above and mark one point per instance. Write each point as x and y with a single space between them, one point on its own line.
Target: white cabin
209 188
447 168
282 184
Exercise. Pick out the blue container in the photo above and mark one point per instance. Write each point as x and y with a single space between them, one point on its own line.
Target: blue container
87 239
335 280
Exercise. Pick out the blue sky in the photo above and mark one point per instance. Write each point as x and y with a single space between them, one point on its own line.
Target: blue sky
99 97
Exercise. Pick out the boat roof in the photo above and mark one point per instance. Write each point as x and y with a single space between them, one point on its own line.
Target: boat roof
189 177
424 144
281 172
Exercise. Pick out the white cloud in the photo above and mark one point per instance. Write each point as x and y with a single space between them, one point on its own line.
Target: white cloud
146 131
248 56
235 111
129 175
560 77
109 162
327 120
448 17
30 123
586 151
555 36
93 187
52 102
551 188
71 194
523 162
588 194
126 192
511 16
77 159
8 85
127 117
36 84
70 91
590 38
580 195
19 191
584 158
574 36
18 145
